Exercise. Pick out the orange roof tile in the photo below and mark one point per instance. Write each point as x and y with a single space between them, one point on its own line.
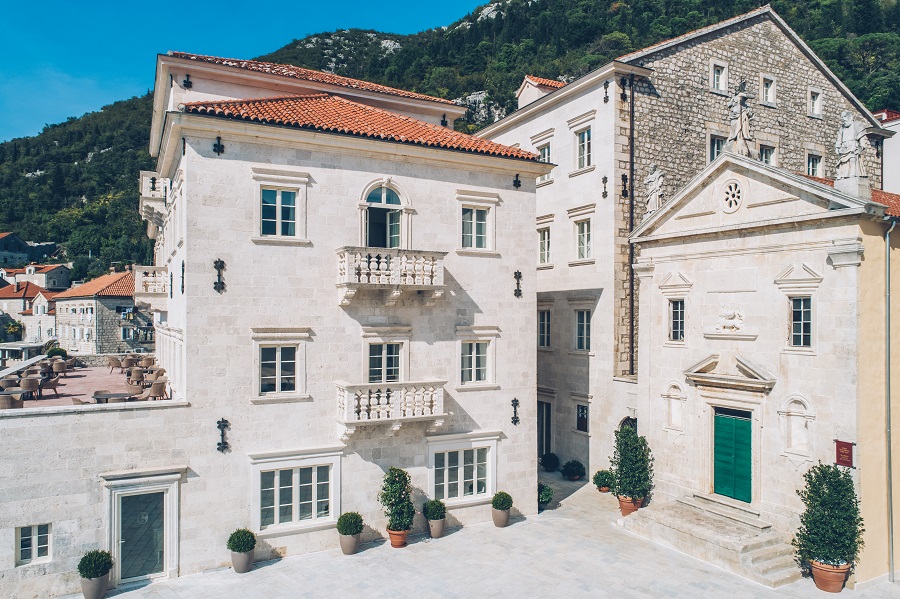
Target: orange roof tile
117 284
887 115
287 70
546 82
324 112
21 291
6 234
879 196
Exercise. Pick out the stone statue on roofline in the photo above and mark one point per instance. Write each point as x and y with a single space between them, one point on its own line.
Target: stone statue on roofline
850 145
654 183
739 115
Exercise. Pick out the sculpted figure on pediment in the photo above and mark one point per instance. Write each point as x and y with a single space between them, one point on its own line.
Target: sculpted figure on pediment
849 146
654 183
739 114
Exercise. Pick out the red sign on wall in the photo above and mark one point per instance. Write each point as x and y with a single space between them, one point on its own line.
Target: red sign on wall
843 453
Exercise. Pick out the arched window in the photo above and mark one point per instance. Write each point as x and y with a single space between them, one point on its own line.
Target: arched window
383 212
628 421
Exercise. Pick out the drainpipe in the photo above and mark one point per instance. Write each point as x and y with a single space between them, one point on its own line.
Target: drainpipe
631 351
887 395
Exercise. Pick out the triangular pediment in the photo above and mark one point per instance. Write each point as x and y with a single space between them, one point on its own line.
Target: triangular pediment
739 193
731 372
675 285
798 278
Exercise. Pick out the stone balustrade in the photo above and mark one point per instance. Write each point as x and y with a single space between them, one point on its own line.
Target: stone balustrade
390 268
151 286
389 403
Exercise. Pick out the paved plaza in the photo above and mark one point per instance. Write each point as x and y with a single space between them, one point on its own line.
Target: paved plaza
570 550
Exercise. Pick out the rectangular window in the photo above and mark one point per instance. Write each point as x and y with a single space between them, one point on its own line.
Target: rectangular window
32 543
583 238
544 246
815 103
813 165
768 90
801 322
473 365
676 320
716 146
543 328
384 362
583 139
277 369
581 418
718 79
544 156
583 330
279 212
460 473
294 495
767 154
474 228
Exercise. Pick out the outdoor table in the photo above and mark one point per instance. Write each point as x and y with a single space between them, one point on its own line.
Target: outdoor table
105 397
11 391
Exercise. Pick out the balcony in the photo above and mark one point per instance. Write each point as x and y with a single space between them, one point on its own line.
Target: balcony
152 205
151 287
391 269
389 403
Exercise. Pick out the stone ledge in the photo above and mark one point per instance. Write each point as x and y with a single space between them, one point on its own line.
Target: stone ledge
93 408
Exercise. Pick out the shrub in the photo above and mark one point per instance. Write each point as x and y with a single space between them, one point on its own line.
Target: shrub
350 523
545 493
396 497
831 527
604 478
434 509
57 351
501 501
573 469
631 464
550 462
241 541
95 564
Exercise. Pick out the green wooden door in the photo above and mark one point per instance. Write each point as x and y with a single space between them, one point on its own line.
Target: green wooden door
732 465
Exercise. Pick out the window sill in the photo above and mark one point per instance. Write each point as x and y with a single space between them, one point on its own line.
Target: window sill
582 262
477 500
799 351
293 529
276 240
544 266
478 387
769 104
815 116
548 350
581 352
481 253
718 92
268 399
34 562
678 344
544 183
582 433
582 171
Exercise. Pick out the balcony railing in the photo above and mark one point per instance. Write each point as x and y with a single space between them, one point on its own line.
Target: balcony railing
389 403
390 268
151 286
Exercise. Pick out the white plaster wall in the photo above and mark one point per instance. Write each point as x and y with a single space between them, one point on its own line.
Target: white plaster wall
892 158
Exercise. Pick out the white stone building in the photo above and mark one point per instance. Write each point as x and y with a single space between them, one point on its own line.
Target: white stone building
54 277
335 278
890 120
39 320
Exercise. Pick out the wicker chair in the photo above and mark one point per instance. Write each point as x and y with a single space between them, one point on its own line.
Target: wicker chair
30 386
117 399
8 402
50 384
60 367
146 362
71 363
136 376
158 389
7 383
133 389
128 362
114 362
78 402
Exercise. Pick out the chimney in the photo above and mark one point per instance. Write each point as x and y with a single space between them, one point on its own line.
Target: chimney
17 287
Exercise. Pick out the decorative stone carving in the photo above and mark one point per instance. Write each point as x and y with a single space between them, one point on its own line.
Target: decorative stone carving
739 115
654 183
732 195
849 147
731 320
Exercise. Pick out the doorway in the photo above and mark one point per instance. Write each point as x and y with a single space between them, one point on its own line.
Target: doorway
141 537
544 428
732 455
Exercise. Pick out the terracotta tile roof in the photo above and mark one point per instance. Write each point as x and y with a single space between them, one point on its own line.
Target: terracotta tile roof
7 234
546 82
887 115
117 284
14 271
891 200
21 291
48 267
286 70
324 112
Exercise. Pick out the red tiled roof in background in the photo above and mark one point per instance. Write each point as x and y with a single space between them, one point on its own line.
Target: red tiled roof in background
287 70
891 200
887 115
324 112
21 291
117 284
7 234
546 82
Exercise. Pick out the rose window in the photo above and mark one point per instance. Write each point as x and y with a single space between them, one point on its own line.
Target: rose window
731 197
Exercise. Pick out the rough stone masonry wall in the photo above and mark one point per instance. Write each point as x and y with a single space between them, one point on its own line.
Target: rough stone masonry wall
675 113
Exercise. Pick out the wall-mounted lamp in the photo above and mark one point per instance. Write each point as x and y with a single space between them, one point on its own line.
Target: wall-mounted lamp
187 83
219 147
516 182
222 445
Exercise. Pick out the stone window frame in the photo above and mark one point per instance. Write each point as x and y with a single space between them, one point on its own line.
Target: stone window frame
404 208
805 286
281 180
763 77
545 333
297 337
579 128
774 149
539 150
710 136
676 287
34 545
809 102
544 222
478 334
380 335
582 401
462 441
672 321
811 154
545 258
478 200
579 216
723 88
788 414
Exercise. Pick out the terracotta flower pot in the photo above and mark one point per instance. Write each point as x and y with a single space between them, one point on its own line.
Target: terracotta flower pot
398 537
603 489
94 588
436 528
241 562
829 578
576 477
627 505
349 543
500 517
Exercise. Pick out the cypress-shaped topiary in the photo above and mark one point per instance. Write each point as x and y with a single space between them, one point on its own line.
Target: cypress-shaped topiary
631 464
396 497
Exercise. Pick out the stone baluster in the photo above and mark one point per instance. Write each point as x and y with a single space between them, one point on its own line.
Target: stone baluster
419 405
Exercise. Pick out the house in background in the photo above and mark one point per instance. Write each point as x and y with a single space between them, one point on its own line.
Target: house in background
16 252
16 298
54 277
890 120
39 321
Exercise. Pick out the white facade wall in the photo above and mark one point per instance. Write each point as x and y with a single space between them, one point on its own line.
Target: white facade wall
892 158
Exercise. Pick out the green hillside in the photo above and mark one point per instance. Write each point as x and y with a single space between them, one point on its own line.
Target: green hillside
76 182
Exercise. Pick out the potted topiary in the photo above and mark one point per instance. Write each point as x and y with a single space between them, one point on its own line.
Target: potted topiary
545 495
349 527
632 469
434 512
573 470
831 528
500 506
94 569
241 544
603 479
550 462
57 351
396 497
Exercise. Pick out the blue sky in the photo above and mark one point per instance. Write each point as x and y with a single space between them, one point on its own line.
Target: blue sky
65 58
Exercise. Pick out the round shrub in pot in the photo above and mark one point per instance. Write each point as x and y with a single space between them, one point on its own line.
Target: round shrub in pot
350 526
603 480
545 495
501 503
573 470
550 462
435 512
241 544
94 570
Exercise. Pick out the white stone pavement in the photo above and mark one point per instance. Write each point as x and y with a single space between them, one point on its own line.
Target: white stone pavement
571 550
